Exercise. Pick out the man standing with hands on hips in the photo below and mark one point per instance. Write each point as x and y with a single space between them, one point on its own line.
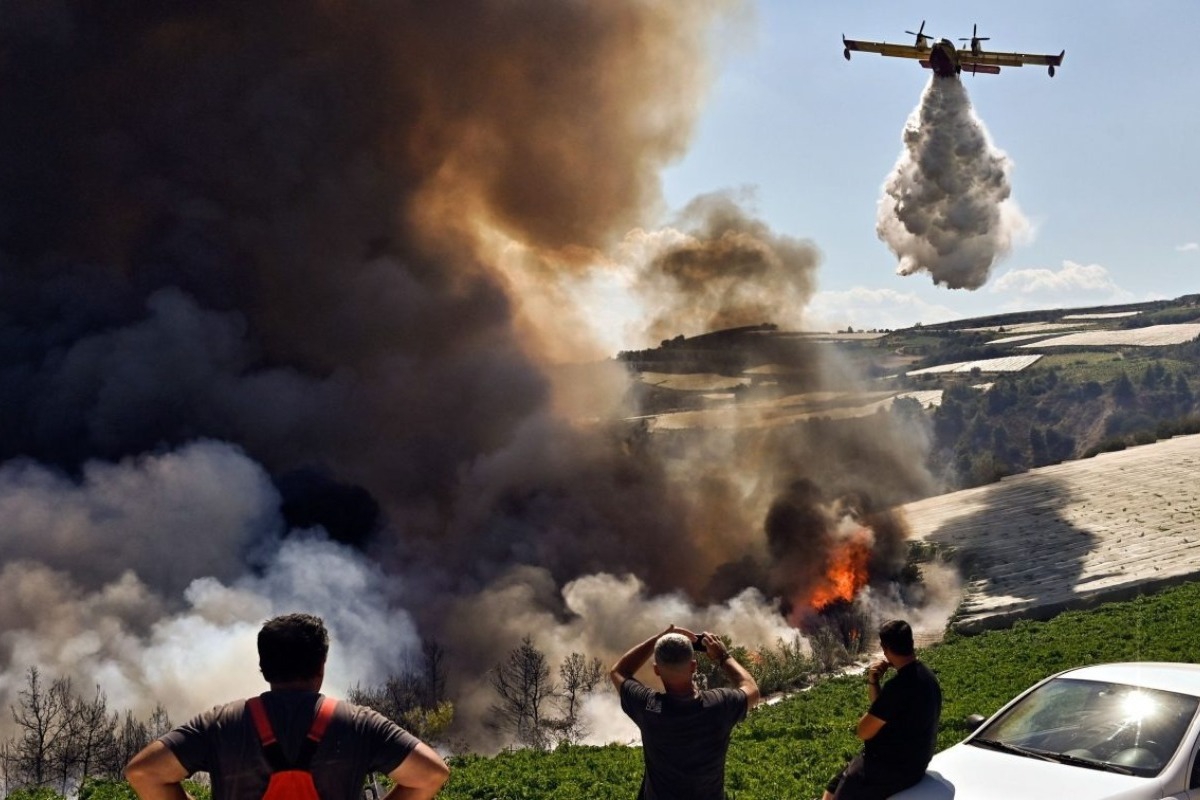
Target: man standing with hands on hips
685 732
899 730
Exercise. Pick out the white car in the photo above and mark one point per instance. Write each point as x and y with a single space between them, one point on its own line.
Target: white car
1106 732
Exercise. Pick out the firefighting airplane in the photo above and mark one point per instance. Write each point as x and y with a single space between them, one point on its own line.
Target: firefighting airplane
946 60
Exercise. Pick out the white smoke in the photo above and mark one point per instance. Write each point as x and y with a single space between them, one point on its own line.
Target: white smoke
151 577
598 615
167 518
946 207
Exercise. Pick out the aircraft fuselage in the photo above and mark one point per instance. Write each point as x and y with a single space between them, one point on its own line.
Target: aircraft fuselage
943 59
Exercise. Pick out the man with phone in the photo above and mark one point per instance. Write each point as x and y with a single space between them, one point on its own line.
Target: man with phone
899 730
685 732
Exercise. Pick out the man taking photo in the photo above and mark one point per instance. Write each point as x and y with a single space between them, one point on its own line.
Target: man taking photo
685 732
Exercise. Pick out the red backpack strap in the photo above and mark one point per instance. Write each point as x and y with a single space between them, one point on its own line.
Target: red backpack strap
270 745
321 720
261 723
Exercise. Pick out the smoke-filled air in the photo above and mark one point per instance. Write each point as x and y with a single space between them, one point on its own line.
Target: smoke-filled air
946 207
285 290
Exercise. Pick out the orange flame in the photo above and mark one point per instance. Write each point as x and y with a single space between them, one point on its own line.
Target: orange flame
845 574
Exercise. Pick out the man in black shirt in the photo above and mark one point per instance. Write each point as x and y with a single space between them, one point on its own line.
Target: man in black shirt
224 742
685 732
899 730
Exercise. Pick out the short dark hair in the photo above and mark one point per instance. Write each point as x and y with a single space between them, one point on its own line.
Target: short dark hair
292 647
897 636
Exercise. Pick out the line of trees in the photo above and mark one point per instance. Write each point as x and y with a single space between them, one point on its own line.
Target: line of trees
540 712
1036 418
532 706
64 737
415 699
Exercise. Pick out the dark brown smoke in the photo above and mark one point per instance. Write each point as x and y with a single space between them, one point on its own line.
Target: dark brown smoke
273 223
726 270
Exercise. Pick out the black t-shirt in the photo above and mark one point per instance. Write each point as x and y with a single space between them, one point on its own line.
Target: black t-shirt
684 739
910 703
224 743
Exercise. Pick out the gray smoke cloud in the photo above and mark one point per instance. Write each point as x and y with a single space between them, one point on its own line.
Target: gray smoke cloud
134 578
725 269
264 345
946 207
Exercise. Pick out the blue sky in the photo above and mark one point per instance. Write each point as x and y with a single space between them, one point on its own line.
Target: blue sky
1105 160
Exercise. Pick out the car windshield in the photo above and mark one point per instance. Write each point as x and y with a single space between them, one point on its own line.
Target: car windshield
1093 724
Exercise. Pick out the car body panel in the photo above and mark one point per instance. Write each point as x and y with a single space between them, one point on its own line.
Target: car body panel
971 772
967 772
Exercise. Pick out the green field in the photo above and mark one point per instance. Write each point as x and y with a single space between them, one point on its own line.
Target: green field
791 748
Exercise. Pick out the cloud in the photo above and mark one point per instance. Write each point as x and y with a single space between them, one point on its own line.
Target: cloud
1071 278
1072 284
1187 247
863 307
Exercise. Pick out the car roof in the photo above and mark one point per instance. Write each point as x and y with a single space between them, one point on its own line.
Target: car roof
1168 676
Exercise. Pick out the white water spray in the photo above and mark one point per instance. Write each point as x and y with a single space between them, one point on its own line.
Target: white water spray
946 207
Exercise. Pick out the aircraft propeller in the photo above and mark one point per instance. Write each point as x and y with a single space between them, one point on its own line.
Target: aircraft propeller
919 31
974 37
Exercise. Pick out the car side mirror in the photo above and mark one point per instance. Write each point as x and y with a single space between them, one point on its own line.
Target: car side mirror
974 721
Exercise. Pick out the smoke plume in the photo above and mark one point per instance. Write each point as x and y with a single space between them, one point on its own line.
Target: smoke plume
281 282
946 207
724 270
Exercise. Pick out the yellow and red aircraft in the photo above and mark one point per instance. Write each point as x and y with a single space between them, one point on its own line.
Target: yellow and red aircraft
946 60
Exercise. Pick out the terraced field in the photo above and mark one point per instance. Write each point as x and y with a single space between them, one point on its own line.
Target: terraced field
1004 364
1152 336
1071 534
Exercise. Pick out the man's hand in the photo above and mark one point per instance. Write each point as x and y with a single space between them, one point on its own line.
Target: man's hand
715 649
876 671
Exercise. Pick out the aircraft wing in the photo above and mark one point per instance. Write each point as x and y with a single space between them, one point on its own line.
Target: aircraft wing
986 59
885 49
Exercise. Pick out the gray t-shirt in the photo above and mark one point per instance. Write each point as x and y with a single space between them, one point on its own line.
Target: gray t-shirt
223 743
684 739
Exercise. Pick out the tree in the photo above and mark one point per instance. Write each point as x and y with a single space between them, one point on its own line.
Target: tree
41 718
93 737
413 699
1037 446
131 737
523 684
429 724
1183 392
433 657
1123 393
159 723
395 697
579 677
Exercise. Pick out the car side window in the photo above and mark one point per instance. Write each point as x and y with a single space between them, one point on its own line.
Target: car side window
1194 778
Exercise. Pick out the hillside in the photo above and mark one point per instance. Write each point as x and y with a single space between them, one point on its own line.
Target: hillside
1004 393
